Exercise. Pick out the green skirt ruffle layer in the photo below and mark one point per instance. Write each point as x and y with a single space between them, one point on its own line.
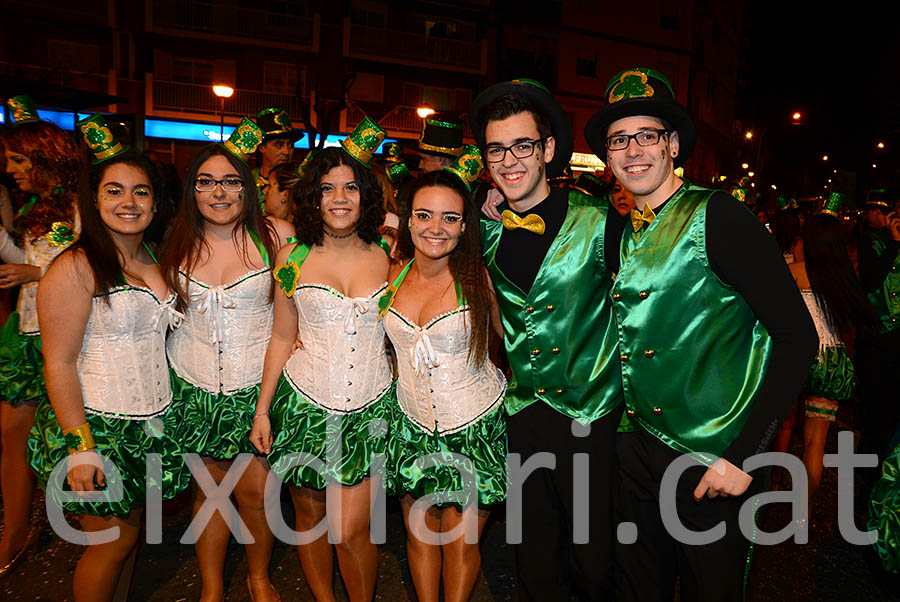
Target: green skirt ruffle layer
832 376
123 442
215 425
884 512
302 427
21 364
477 451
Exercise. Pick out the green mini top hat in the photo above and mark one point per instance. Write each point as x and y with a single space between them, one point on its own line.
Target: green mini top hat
641 91
100 139
468 166
22 109
362 142
304 165
396 171
833 204
441 136
875 198
391 151
244 139
739 192
785 204
275 122
543 102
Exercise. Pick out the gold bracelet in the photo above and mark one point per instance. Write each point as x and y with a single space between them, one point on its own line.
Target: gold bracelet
79 439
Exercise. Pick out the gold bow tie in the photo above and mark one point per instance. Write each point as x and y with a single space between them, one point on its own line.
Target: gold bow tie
638 218
531 222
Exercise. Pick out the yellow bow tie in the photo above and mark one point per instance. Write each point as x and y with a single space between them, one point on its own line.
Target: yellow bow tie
638 218
531 222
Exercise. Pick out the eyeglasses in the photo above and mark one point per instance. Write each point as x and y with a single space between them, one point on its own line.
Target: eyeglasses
643 138
520 150
209 184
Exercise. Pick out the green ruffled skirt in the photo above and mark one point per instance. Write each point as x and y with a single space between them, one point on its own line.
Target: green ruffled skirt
302 427
123 442
21 364
215 425
832 376
884 512
482 444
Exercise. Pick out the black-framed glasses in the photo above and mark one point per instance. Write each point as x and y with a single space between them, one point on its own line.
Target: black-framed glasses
643 138
520 150
203 184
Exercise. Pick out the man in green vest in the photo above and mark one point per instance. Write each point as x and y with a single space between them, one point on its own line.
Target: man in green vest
714 341
277 146
548 267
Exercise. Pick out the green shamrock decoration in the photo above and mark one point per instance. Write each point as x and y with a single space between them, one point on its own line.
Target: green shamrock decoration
472 167
287 276
72 441
370 139
95 137
60 234
632 84
384 303
283 120
248 139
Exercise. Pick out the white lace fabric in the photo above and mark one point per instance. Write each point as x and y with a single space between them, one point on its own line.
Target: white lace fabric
122 364
438 388
221 344
343 366
828 335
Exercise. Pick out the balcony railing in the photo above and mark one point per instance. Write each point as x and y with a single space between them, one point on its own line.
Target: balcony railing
93 12
394 46
221 22
196 98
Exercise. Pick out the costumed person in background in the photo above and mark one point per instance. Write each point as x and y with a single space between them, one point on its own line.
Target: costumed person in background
622 199
714 342
440 142
104 307
217 259
787 228
284 181
548 262
884 508
333 396
42 160
277 145
438 313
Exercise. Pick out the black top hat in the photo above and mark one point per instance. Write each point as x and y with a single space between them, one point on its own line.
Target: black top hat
275 122
641 92
542 100
441 136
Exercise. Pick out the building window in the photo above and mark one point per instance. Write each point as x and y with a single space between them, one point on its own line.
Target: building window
73 56
586 66
280 77
192 71
370 14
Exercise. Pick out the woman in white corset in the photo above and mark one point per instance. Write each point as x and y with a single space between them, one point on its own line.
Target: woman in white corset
330 400
104 308
217 259
438 314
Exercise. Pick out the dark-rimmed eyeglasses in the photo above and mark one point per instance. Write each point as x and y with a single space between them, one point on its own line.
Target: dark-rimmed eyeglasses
209 184
520 150
643 138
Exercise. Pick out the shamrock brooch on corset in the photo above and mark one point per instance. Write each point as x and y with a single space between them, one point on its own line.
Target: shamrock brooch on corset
287 275
386 300
60 234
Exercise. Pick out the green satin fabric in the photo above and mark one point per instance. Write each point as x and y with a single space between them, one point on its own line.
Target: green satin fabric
884 513
484 443
886 300
695 354
125 443
213 424
21 364
575 370
832 376
300 426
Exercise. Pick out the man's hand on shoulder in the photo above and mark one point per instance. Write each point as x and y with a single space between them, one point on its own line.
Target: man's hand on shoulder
493 200
722 479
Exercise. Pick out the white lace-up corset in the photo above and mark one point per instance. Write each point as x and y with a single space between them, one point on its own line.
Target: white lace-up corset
828 336
343 366
438 388
122 365
221 345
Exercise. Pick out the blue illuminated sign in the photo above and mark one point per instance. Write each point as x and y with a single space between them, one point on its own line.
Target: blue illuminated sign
64 119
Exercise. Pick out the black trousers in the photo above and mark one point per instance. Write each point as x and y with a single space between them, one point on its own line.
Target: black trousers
877 364
550 565
646 569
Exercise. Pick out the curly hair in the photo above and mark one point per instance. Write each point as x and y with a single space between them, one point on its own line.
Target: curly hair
466 261
307 214
54 174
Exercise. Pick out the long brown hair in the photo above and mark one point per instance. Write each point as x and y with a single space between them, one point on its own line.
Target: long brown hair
466 262
186 238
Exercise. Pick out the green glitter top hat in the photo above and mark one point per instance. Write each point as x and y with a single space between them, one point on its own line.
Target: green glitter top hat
396 171
304 165
875 198
833 204
244 139
391 152
275 122
468 166
362 143
22 109
100 139
740 193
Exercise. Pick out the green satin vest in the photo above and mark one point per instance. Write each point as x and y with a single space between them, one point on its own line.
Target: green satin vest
560 336
886 300
693 354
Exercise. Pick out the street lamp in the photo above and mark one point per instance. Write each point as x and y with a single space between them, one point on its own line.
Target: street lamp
748 135
222 92
824 157
881 145
424 112
745 165
796 116
751 174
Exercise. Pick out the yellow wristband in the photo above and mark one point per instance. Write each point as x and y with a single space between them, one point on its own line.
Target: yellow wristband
79 439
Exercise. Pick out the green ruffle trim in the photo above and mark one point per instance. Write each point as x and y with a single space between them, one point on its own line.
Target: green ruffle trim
300 426
123 442
483 445
21 364
215 425
832 376
884 512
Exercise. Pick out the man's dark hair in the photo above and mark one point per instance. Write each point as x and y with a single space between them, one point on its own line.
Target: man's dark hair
507 105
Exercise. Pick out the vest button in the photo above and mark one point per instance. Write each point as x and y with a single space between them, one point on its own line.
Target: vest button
541 391
649 353
617 297
559 391
624 357
630 413
643 294
550 308
529 309
657 411
556 350
535 352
